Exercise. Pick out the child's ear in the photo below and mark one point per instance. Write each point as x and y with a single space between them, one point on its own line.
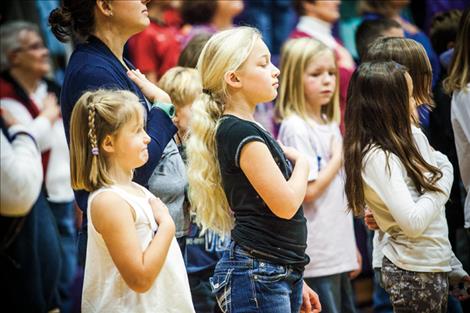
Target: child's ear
108 144
231 78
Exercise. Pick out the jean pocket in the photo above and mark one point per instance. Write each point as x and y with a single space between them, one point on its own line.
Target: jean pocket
266 272
221 287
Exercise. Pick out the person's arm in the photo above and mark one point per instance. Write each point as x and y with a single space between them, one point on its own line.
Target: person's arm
41 126
293 135
138 268
282 196
21 172
160 127
447 179
388 182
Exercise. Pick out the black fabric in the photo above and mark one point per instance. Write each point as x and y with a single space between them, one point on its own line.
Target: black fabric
30 265
257 229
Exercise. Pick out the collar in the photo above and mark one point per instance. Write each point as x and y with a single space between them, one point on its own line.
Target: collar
317 29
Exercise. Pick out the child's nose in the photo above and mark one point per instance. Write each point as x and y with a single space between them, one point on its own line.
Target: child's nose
146 138
276 71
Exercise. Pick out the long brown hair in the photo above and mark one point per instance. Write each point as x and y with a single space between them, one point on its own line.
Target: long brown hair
410 54
378 115
459 71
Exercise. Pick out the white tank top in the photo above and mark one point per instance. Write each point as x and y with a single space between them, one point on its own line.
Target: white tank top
104 289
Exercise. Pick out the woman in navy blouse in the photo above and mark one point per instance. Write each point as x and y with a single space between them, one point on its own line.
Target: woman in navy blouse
102 28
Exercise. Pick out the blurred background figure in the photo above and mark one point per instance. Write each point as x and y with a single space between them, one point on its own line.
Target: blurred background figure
32 100
317 19
156 49
30 252
208 16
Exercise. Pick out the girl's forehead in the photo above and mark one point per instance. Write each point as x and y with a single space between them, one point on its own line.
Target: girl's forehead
322 59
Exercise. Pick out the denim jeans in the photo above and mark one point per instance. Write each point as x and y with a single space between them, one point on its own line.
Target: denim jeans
246 284
335 292
64 214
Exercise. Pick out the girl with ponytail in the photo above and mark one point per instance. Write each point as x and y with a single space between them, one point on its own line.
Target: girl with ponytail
241 180
133 262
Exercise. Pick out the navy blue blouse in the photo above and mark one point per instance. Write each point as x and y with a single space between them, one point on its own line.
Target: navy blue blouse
93 66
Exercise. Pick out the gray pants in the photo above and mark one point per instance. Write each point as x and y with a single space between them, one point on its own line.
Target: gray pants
412 292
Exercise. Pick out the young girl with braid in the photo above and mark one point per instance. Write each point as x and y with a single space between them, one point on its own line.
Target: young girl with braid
242 181
133 262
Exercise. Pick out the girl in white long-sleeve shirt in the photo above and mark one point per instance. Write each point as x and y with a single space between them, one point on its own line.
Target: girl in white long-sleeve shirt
404 182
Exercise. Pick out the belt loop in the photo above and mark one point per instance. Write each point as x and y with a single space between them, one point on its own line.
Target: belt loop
232 249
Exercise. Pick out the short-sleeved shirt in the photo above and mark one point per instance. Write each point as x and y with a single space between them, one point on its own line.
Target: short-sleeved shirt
331 244
257 228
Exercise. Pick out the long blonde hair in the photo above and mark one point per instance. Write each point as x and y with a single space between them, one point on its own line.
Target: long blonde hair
225 51
297 54
96 115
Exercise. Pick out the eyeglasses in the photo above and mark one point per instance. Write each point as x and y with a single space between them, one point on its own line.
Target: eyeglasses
33 47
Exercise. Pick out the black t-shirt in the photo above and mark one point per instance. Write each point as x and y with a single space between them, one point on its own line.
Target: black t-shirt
257 229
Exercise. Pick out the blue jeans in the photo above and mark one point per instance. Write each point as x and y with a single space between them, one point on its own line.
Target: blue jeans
335 292
64 214
246 284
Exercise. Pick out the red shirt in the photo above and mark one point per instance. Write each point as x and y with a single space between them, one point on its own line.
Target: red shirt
156 49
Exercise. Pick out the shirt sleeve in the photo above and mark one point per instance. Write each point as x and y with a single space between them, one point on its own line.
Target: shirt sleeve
21 173
389 184
234 137
40 127
296 136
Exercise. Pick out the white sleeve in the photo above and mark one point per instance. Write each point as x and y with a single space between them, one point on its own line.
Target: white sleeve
389 184
447 179
21 174
457 273
460 118
296 137
40 127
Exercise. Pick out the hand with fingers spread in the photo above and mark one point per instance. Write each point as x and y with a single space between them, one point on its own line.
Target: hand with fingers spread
161 213
291 153
149 89
51 109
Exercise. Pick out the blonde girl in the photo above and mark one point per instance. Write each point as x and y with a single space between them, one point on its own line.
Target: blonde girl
242 181
309 108
133 261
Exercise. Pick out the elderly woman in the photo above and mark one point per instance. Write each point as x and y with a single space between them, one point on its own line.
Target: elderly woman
32 100
103 27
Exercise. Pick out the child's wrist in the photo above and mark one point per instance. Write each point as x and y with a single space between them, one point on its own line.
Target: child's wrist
166 107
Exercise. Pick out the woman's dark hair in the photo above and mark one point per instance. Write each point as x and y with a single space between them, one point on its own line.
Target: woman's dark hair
411 54
198 12
378 115
73 19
